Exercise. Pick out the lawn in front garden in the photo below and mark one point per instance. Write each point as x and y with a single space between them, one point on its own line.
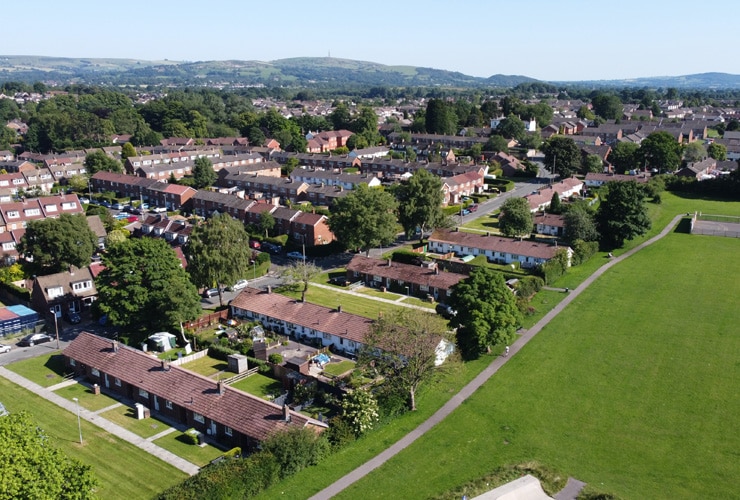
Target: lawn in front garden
125 416
85 396
193 453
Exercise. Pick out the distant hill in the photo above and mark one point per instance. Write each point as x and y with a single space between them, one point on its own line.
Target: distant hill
297 71
696 81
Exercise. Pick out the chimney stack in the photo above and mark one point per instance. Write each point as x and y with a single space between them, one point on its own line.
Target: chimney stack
389 262
269 289
286 413
221 388
115 346
339 308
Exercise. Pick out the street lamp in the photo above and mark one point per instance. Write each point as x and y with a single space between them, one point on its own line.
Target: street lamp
79 424
254 269
56 325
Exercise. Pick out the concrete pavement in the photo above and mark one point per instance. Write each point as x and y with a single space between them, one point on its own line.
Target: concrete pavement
106 425
477 382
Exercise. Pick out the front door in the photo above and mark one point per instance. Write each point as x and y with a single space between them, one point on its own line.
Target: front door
213 428
107 384
156 403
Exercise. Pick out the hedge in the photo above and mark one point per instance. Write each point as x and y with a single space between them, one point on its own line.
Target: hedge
22 293
218 351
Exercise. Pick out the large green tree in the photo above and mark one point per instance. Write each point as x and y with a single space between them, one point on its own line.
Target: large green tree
144 287
622 214
624 156
607 106
218 252
511 127
203 173
660 150
299 276
98 161
580 224
402 348
440 118
694 151
717 151
296 448
55 244
487 313
516 218
420 202
365 218
562 153
30 467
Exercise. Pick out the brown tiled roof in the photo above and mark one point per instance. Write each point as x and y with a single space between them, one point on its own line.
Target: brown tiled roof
242 412
323 319
553 220
404 272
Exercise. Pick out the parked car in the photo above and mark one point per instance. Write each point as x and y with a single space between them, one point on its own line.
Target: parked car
239 285
158 210
473 207
4 348
73 317
272 248
295 255
466 212
210 292
33 339
117 206
254 244
84 201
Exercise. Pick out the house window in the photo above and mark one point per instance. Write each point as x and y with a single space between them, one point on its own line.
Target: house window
95 372
72 362
199 418
168 404
69 205
143 394
32 211
228 431
117 381
81 285
326 335
13 214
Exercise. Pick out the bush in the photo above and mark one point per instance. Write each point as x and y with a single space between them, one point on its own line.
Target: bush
529 285
230 478
275 358
296 448
233 453
583 250
555 267
190 436
340 432
406 257
22 293
221 352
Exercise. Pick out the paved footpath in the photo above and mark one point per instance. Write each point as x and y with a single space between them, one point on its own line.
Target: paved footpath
93 418
488 372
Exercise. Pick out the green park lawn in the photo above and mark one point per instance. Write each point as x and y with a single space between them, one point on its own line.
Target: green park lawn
259 385
633 389
340 368
45 370
198 455
125 416
123 470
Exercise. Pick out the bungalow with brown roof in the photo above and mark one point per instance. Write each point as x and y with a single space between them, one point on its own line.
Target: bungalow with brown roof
334 328
496 249
421 281
540 200
596 179
550 224
227 415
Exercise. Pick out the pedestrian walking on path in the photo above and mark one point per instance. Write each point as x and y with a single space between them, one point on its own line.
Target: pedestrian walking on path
506 353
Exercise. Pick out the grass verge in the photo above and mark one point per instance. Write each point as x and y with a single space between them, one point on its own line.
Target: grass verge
45 370
123 470
198 455
125 416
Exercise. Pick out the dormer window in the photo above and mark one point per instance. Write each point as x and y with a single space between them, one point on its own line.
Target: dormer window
50 208
55 292
30 212
69 205
13 214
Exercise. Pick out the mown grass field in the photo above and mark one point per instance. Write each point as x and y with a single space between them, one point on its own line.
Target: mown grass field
124 471
633 389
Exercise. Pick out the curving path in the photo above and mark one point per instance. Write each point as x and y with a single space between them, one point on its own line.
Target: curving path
488 372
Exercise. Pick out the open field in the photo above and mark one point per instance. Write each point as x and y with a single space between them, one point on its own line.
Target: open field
123 470
632 389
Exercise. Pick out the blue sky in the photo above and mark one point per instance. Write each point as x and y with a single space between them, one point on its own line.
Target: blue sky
548 40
